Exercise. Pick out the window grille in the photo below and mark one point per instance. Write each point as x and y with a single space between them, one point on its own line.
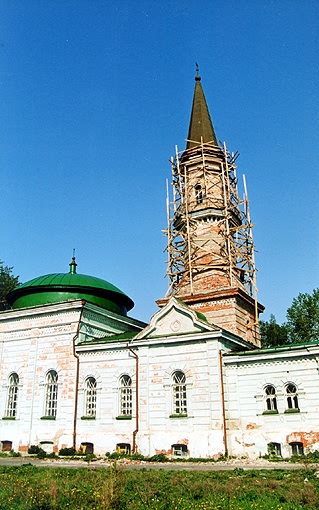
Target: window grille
12 396
90 397
179 393
270 398
291 396
126 396
51 394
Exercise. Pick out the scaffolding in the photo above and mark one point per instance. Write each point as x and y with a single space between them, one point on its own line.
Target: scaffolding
208 224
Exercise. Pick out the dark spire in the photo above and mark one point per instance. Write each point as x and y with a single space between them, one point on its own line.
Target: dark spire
73 264
200 126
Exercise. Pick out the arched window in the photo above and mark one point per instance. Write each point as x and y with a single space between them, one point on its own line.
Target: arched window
270 398
90 397
125 396
12 396
51 394
198 194
179 396
291 396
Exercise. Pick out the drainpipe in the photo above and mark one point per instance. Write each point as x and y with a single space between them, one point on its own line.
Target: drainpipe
223 401
76 375
136 395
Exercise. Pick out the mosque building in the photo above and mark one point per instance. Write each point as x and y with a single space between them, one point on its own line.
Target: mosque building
77 371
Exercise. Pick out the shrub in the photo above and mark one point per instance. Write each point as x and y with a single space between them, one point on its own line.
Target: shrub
161 457
41 454
89 457
15 454
67 452
33 449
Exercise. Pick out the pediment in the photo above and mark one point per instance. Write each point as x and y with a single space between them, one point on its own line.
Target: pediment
175 319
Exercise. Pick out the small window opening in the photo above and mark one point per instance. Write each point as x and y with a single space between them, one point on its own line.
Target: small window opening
47 446
198 194
296 448
6 446
87 448
124 448
274 449
179 450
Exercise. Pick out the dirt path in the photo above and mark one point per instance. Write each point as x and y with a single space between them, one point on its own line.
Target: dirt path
187 466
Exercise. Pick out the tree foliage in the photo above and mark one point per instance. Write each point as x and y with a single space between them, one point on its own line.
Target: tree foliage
303 318
7 283
302 324
273 334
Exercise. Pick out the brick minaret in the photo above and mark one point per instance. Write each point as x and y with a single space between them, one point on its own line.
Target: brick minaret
210 246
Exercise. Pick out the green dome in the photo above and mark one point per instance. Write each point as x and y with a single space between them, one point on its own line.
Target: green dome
58 287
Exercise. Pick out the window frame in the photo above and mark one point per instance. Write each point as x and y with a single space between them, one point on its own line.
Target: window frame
90 397
270 397
297 448
292 401
274 449
12 396
125 393
51 394
179 394
179 450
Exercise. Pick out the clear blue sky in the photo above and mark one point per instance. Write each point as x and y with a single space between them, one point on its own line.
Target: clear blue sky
94 96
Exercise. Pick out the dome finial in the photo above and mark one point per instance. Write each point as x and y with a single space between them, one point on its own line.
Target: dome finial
73 264
197 77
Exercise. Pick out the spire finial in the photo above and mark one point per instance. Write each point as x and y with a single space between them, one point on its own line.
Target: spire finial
197 77
73 264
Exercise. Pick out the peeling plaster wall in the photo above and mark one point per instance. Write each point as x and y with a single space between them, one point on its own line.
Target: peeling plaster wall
31 346
36 340
201 430
250 429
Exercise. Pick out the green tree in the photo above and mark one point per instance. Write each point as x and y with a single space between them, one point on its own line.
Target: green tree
303 318
273 334
7 283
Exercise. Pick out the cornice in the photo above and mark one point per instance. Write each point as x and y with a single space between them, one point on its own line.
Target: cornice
32 312
278 355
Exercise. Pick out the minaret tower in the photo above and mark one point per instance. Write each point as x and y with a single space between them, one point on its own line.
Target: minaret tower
210 246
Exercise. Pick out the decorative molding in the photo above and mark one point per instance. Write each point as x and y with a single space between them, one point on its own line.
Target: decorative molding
214 303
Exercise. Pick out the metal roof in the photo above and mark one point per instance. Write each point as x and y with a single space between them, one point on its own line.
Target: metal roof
200 126
58 287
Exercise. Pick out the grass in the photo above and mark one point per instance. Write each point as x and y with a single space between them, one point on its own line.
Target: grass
31 488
